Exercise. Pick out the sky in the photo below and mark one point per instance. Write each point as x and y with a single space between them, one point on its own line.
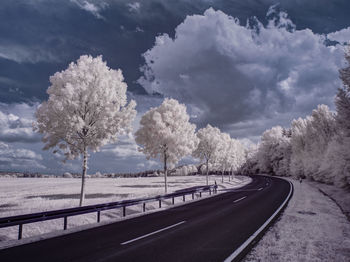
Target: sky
243 66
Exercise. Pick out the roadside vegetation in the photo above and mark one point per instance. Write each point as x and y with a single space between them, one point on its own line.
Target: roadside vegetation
316 147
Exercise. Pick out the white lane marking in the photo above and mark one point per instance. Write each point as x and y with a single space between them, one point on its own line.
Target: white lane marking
152 233
260 189
237 200
237 190
251 238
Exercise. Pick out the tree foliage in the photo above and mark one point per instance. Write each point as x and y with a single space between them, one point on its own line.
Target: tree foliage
219 150
317 147
87 108
209 138
165 133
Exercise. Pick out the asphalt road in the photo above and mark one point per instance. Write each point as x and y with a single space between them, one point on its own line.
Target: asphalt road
206 230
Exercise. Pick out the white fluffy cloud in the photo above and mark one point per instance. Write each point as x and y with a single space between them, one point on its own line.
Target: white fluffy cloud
341 36
17 128
231 73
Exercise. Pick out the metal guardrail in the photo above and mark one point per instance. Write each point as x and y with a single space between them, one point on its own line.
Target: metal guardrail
65 213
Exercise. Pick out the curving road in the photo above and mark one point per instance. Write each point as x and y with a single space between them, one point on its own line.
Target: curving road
207 230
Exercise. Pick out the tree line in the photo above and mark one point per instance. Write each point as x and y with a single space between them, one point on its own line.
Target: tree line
316 147
87 108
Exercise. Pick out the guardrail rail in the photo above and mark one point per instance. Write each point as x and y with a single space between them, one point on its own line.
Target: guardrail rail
65 213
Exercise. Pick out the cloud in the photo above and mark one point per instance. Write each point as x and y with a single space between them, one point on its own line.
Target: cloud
229 73
19 158
341 36
17 128
93 8
139 29
134 7
26 54
125 148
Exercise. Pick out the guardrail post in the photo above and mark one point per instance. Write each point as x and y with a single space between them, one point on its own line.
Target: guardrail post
173 200
183 198
65 223
20 231
144 207
192 196
98 216
160 203
124 211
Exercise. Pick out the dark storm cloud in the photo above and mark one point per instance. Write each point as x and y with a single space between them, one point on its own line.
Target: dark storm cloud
42 37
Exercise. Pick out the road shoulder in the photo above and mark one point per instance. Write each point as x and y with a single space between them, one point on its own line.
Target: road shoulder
312 228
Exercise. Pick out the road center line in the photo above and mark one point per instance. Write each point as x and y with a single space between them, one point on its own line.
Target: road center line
152 233
237 200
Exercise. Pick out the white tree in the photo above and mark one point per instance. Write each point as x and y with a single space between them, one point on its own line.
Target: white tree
223 154
237 155
310 139
339 151
87 108
166 133
342 100
298 143
209 139
250 165
274 152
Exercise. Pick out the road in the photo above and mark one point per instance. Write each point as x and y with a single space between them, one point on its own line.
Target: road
206 230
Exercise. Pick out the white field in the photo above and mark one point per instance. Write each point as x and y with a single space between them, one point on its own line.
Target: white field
312 228
28 195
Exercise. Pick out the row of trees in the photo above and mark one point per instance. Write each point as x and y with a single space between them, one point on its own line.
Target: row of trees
166 133
87 108
316 147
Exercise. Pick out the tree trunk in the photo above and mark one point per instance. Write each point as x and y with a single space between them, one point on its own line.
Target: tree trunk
207 172
222 175
82 193
165 172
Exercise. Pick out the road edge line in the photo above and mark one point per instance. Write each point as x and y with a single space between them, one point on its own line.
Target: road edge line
242 249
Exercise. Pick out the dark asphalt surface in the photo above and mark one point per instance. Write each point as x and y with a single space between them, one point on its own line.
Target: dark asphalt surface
206 230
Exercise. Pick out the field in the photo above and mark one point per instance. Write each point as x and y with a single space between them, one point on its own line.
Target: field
28 195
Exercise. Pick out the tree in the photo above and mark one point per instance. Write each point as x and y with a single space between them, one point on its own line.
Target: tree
251 165
209 139
166 133
340 146
342 100
298 144
274 152
310 139
237 155
223 154
87 108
